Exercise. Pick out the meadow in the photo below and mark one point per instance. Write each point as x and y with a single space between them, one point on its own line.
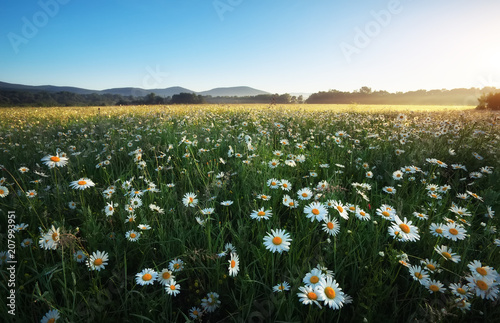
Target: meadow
250 213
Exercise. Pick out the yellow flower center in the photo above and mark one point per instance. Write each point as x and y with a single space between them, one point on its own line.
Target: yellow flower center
177 266
166 275
438 230
405 228
285 185
277 241
389 189
362 213
2 192
419 275
431 267
386 214
304 194
79 256
314 279
82 183
263 197
330 225
52 320
434 288
55 236
291 204
341 210
172 287
273 163
261 213
446 255
453 231
461 291
329 292
273 183
191 200
482 285
233 263
147 277
315 211
55 159
133 235
352 208
312 296
98 262
481 271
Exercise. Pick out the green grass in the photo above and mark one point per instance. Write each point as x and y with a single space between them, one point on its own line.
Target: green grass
363 257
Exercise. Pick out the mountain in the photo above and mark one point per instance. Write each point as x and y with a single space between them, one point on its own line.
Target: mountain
233 91
134 91
48 88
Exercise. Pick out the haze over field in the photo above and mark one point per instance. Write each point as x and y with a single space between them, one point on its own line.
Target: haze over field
275 46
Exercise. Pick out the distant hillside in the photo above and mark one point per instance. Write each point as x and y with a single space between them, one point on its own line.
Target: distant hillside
233 91
238 91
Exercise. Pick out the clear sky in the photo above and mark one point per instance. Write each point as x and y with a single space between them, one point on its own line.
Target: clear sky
273 45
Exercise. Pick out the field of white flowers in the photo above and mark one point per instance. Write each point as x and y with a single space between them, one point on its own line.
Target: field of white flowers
249 213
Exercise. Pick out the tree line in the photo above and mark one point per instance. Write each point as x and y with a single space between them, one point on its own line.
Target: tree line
365 95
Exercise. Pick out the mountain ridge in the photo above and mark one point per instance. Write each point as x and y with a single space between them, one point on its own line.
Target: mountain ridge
238 91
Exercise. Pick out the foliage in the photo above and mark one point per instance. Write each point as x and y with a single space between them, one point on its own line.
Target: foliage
490 101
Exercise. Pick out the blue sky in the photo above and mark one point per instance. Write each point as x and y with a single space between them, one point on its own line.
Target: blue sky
274 45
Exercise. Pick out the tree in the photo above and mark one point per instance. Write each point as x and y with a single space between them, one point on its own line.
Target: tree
489 101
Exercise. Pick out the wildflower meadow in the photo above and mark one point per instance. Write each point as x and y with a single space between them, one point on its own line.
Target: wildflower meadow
249 214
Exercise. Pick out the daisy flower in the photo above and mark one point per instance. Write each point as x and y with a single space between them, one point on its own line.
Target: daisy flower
173 288
313 278
454 232
315 211
285 185
386 212
420 216
55 161
132 235
211 302
435 286
261 214
277 241
4 191
305 193
144 226
308 295
79 256
447 253
480 271
437 229
195 313
431 265
419 274
331 226
26 242
389 190
331 293
226 203
362 215
146 277
462 304
273 183
98 260
81 184
407 231
281 287
460 290
72 205
207 211
50 317
165 276
234 265
341 208
482 287
31 193
190 199
273 163
176 265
